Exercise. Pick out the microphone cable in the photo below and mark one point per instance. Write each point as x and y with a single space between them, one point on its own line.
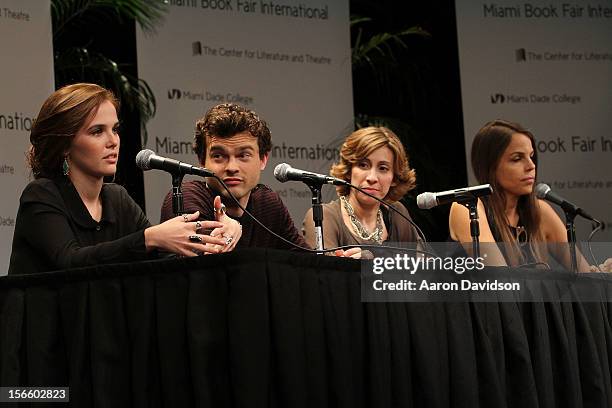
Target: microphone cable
591 235
597 228
293 244
388 206
533 264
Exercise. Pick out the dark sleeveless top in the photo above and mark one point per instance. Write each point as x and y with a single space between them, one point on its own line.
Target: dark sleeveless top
519 232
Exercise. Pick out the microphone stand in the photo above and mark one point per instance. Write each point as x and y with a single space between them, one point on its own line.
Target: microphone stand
317 215
177 194
472 206
570 215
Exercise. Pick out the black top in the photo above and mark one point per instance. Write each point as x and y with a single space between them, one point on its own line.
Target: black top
263 203
54 229
519 232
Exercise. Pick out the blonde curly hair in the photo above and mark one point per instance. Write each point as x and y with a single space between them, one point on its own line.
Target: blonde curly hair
360 144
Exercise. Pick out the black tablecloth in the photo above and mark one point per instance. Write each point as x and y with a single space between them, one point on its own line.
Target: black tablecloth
263 328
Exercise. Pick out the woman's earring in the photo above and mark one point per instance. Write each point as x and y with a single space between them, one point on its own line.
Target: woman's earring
65 166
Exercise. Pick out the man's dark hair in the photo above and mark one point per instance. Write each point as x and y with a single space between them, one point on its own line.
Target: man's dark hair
226 120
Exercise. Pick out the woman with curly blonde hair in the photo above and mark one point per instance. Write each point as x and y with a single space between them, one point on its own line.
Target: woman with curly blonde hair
374 159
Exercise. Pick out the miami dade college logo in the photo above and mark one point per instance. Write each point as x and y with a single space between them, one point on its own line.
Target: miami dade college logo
174 93
498 98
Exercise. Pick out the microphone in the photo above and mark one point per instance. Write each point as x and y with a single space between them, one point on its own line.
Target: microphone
425 201
284 172
543 192
147 159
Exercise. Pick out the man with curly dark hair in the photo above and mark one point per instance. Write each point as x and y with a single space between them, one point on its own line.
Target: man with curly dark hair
235 144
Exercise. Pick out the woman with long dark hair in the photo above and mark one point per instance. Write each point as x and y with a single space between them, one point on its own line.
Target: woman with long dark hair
504 155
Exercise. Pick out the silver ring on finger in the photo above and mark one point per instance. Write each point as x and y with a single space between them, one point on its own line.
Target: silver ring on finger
195 238
228 240
221 210
185 218
198 226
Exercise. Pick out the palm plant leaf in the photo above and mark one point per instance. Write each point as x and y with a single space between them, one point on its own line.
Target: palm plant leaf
75 62
379 45
147 13
78 64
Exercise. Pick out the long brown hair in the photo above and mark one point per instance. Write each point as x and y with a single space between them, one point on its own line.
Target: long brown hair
488 146
61 116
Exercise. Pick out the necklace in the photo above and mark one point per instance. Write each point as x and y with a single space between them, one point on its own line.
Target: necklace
519 232
363 233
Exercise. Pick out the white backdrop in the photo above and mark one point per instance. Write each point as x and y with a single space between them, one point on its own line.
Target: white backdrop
291 64
26 79
548 66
